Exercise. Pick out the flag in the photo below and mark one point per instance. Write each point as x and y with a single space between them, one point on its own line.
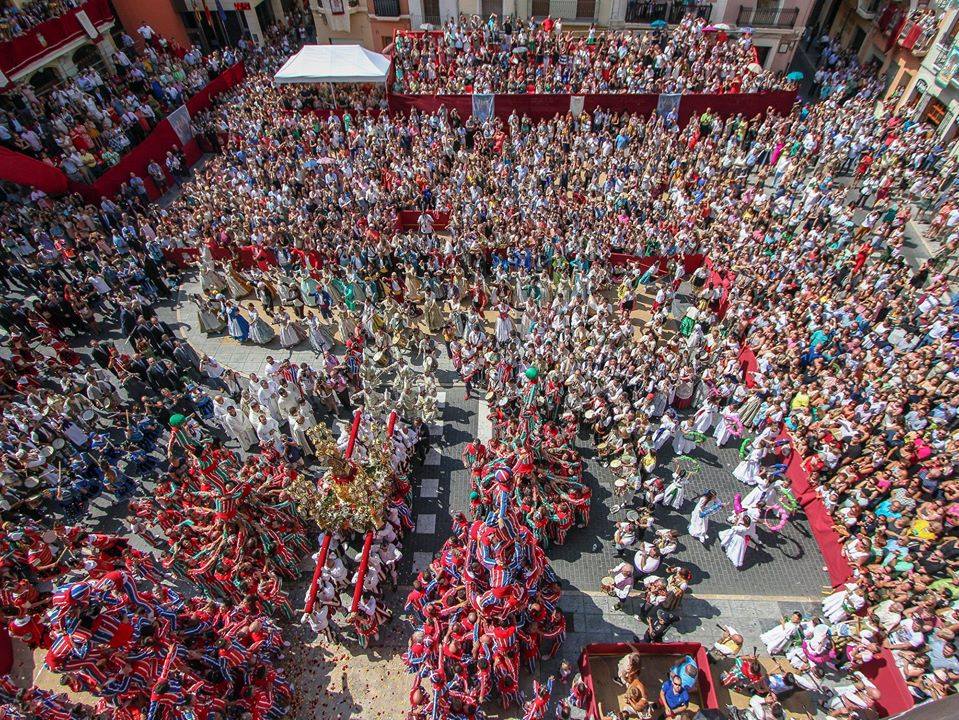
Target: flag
206 11
221 13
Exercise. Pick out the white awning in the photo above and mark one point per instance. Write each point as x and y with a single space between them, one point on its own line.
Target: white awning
334 64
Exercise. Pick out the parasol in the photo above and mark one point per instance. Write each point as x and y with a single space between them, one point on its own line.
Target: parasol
754 67
721 26
658 24
795 76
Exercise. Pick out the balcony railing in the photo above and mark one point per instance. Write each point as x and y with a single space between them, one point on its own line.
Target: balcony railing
917 37
767 17
49 37
680 10
638 11
386 8
642 11
868 8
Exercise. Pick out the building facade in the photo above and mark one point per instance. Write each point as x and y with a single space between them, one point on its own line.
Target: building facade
911 44
52 51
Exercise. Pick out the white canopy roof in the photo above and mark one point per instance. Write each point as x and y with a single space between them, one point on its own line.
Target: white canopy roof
334 64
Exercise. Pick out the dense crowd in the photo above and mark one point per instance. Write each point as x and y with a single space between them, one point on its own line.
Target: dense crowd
787 232
88 123
17 19
471 55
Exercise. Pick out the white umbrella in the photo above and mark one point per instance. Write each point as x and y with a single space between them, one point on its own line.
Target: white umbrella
721 26
754 67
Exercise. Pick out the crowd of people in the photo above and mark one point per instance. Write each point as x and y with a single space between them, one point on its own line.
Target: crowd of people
514 267
472 55
87 124
18 18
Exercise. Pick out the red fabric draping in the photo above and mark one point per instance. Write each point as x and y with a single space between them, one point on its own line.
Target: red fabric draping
6 650
540 107
18 53
409 219
894 693
24 170
748 364
690 262
707 689
155 147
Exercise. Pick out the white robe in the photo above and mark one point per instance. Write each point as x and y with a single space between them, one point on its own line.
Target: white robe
763 493
836 607
778 638
723 431
675 494
240 429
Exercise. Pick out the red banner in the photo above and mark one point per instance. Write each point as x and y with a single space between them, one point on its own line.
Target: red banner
43 39
544 107
24 170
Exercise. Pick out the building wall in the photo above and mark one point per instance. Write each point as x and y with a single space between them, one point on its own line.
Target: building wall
352 27
382 27
159 14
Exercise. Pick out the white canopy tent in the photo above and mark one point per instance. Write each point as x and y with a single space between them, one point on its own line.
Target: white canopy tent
315 64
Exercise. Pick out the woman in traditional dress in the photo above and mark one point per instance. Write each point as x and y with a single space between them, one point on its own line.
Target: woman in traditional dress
729 426
236 284
844 603
431 313
705 417
209 320
260 331
211 281
291 334
236 324
780 637
706 506
736 538
504 324
675 493
748 471
320 340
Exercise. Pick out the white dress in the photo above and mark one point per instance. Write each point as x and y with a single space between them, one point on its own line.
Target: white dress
841 604
675 493
704 418
290 334
748 470
778 638
735 541
682 446
723 431
699 525
504 326
763 493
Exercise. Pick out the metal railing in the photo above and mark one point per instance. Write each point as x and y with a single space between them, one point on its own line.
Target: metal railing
767 17
386 8
645 11
679 10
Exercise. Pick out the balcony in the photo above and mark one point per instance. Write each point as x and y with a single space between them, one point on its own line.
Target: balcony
387 8
49 39
867 9
642 11
917 35
782 18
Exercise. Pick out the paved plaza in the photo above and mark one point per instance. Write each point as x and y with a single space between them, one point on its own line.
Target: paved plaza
784 574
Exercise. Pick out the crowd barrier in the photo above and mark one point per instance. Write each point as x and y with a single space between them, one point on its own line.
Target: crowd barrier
882 671
40 40
544 107
23 170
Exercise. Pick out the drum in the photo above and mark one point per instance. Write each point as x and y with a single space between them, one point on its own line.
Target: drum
489 396
606 585
632 515
58 443
46 451
616 464
621 486
88 415
589 414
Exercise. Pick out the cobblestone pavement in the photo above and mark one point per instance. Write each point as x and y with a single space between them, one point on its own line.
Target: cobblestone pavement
783 574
